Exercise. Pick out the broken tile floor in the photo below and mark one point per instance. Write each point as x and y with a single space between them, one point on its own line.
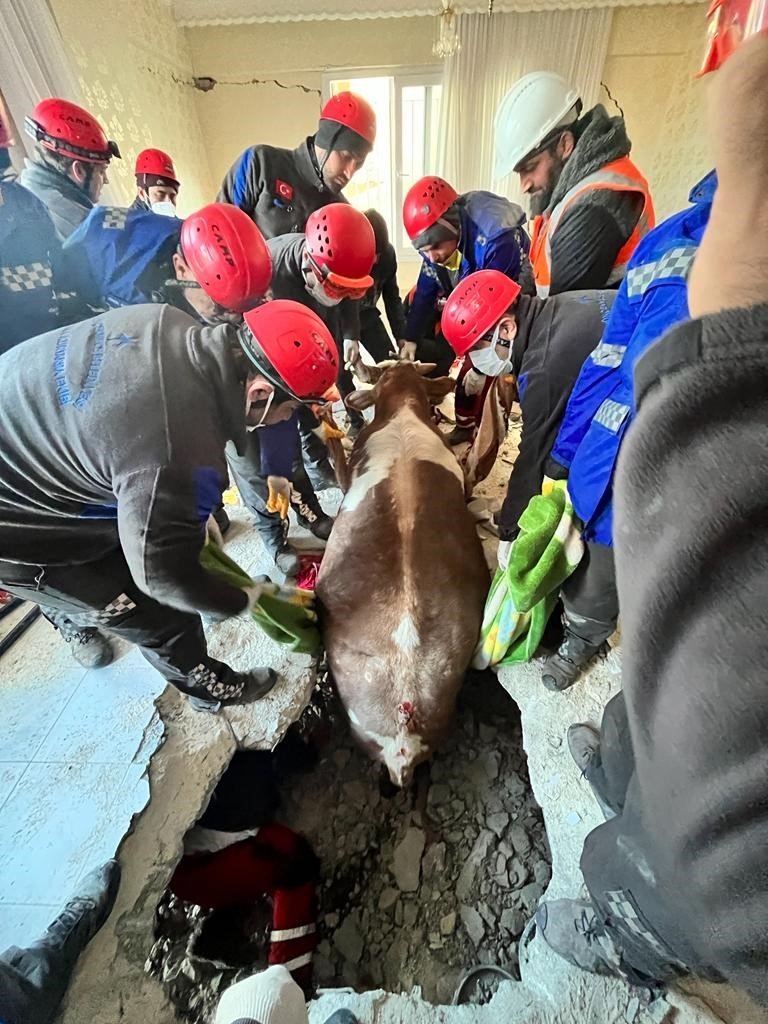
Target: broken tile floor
83 751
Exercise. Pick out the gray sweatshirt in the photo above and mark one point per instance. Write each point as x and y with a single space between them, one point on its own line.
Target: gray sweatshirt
112 436
691 537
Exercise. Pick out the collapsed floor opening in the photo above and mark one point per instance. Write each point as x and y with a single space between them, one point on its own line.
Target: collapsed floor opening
417 887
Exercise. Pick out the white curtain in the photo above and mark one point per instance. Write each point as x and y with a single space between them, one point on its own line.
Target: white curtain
495 52
34 61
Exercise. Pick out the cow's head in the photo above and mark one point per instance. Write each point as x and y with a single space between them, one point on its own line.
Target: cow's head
401 383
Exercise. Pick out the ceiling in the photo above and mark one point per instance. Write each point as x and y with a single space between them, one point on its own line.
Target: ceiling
235 12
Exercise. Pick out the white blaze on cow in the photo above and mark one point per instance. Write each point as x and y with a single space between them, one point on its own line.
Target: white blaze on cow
403 581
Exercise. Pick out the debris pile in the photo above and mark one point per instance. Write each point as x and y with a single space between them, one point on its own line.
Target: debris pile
416 887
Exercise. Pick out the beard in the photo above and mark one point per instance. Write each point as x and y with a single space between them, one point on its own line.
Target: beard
539 201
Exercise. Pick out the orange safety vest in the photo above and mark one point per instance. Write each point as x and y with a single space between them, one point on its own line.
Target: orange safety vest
617 176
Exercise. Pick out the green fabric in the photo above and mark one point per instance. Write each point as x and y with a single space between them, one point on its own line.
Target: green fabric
282 619
522 596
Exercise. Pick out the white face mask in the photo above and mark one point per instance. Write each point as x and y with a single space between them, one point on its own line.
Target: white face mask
486 361
255 426
165 209
316 290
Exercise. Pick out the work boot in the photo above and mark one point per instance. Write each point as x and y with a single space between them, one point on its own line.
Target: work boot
584 743
321 475
90 647
318 525
460 435
276 543
564 667
571 929
256 684
85 913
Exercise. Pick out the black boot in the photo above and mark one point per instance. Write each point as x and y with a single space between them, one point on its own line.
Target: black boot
85 913
571 929
275 541
256 684
309 513
321 474
564 667
460 435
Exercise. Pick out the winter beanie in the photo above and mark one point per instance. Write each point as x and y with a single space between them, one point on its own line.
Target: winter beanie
443 229
331 135
270 997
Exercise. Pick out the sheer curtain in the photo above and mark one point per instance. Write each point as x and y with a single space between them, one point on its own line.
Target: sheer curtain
495 52
34 62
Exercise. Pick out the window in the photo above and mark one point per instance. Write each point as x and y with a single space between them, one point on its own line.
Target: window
407 109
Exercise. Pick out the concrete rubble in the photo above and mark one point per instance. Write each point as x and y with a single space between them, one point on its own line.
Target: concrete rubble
471 831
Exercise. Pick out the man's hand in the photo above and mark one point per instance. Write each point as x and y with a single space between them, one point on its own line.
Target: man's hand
407 350
351 353
731 267
279 499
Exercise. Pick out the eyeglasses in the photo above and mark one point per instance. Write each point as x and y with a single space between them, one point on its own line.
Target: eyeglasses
332 283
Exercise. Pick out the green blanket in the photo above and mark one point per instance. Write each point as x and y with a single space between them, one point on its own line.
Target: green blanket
286 619
522 596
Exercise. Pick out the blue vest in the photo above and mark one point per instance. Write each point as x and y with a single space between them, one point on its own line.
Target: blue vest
122 257
653 297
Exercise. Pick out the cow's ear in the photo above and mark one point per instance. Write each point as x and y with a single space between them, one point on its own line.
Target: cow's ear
360 400
437 389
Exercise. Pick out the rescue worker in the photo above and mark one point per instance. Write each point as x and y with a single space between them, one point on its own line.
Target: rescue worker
213 265
373 333
157 184
280 188
69 169
651 299
456 235
542 343
677 878
113 440
30 259
326 267
590 203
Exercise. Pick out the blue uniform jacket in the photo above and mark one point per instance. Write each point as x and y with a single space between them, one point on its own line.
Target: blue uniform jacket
491 237
652 298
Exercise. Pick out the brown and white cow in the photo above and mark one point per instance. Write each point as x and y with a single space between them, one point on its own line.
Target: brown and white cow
403 580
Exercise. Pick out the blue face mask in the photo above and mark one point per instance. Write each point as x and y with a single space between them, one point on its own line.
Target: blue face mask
165 209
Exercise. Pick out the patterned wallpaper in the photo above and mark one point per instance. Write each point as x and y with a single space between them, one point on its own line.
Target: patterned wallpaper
132 62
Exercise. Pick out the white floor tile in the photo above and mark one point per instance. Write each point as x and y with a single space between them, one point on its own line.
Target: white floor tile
105 720
39 675
9 776
20 925
57 820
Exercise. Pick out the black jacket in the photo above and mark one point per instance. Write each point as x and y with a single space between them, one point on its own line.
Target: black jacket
554 337
385 285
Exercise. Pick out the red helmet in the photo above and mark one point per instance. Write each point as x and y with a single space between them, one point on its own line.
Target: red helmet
342 246
68 129
729 23
425 203
352 111
475 306
292 347
228 255
156 162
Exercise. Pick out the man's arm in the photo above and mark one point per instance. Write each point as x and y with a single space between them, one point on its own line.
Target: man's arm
692 565
161 517
422 305
504 254
238 185
390 293
586 242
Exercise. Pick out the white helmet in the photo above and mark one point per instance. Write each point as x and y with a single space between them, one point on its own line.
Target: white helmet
533 107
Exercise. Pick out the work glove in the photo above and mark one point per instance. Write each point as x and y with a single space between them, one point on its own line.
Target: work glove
502 555
408 351
279 498
473 383
351 353
327 431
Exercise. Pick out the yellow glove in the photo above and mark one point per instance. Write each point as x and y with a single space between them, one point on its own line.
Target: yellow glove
279 499
327 432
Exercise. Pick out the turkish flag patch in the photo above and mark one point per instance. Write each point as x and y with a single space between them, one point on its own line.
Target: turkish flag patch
284 190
